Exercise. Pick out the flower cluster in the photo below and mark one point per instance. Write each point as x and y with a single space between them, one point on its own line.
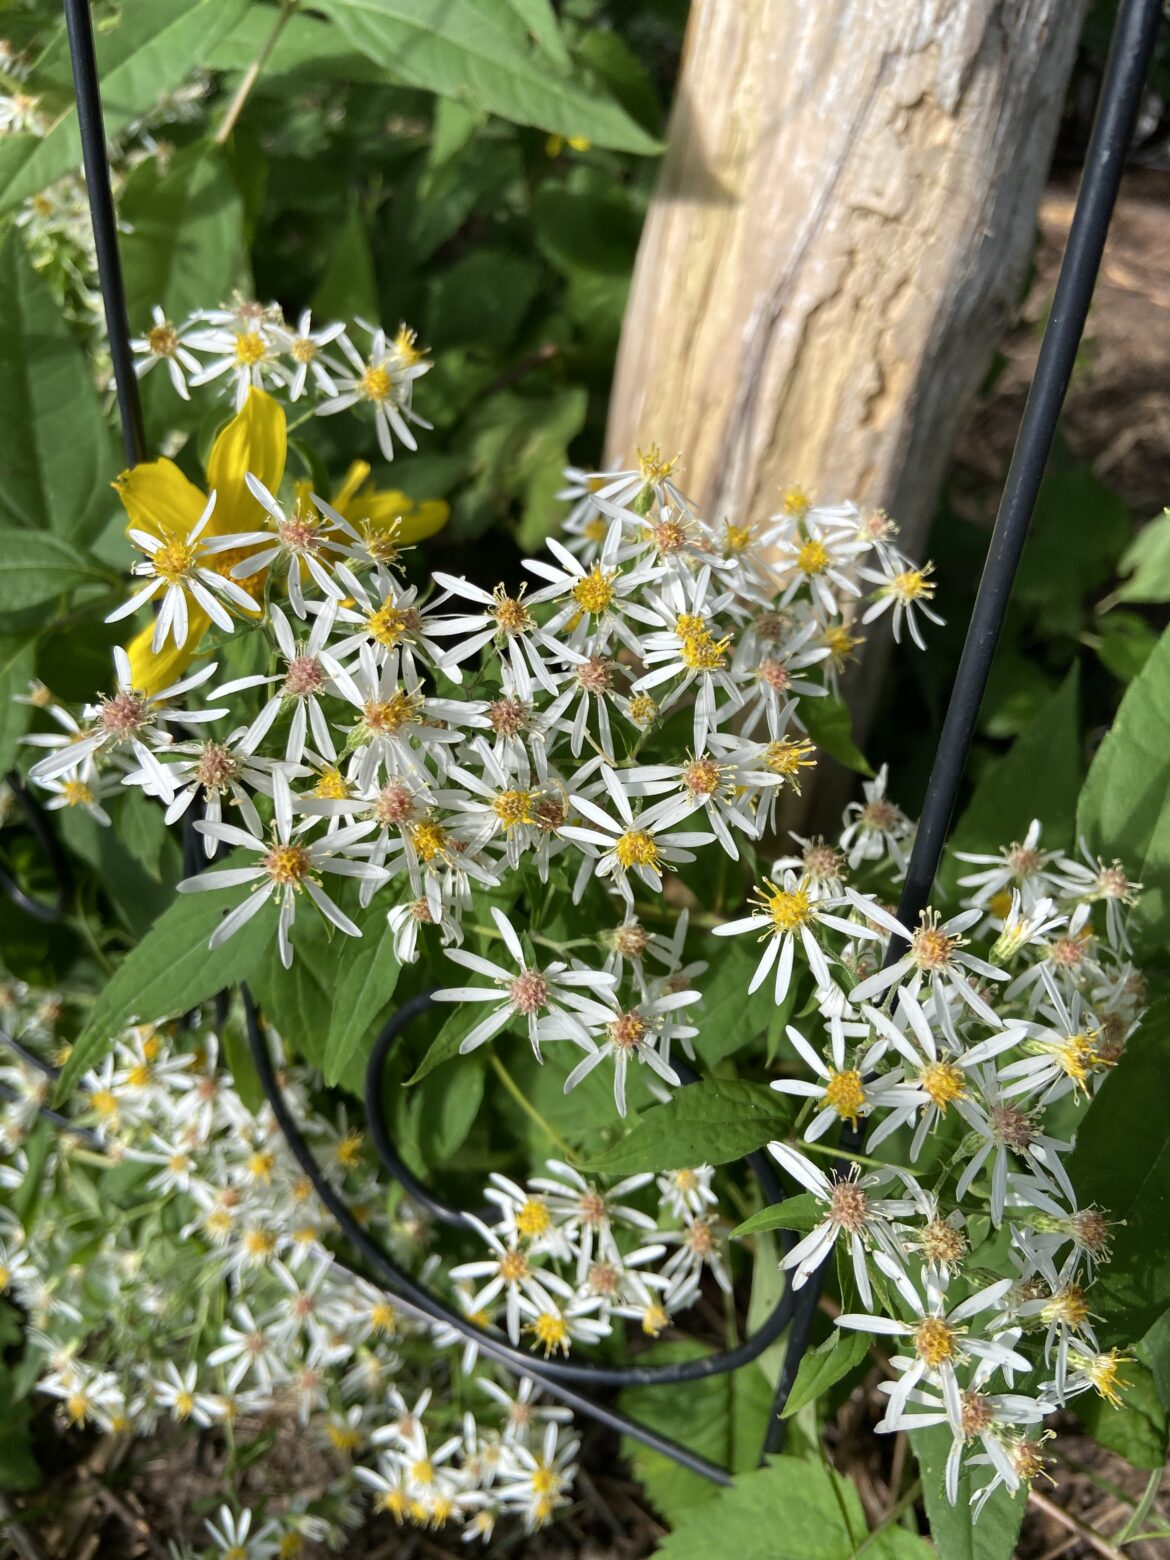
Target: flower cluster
250 345
976 1068
181 1276
516 780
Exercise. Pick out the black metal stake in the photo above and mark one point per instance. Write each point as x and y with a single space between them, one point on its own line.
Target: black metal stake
79 25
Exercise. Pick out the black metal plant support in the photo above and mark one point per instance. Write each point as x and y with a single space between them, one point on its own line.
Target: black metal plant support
1113 129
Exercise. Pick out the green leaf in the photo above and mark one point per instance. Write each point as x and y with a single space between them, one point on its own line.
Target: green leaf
150 49
185 242
18 1465
444 1110
1038 777
802 1212
1126 644
1132 1107
825 1365
1138 1428
455 1029
721 1417
170 971
369 974
1124 807
1079 529
483 51
142 830
36 568
958 1537
830 725
1146 563
710 1122
349 286
17 665
481 300
614 62
593 229
729 1017
58 452
788 1510
298 1002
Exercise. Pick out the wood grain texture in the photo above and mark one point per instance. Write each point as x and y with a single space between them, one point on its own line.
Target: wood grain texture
839 235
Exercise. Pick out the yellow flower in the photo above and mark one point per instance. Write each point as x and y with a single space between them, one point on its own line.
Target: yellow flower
158 498
555 144
364 505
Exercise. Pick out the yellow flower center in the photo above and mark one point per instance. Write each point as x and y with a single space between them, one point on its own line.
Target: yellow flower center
596 530
405 344
422 1472
812 558
654 1320
77 793
912 585
250 348
287 865
1101 1369
703 653
943 1082
795 501
104 1102
349 1150
303 350
386 716
376 383
383 1317
636 848
652 465
184 1403
552 1332
533 1218
789 756
429 840
544 1480
790 909
643 710
513 1267
841 643
936 1341
845 1093
389 624
162 339
332 785
736 538
513 807
173 562
595 592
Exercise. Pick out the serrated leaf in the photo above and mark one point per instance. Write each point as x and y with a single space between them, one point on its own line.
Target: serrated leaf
723 1418
1124 807
830 725
710 1122
788 1510
1132 1107
482 50
369 974
802 1212
149 50
59 455
825 1365
170 971
957 1534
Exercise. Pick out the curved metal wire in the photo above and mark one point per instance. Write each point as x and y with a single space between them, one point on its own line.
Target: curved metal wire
1133 40
38 825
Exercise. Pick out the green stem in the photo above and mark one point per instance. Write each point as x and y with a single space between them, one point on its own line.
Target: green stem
1143 1508
252 74
531 1111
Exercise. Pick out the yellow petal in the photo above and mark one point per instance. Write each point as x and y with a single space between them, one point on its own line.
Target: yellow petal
347 492
159 498
424 520
149 672
255 440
